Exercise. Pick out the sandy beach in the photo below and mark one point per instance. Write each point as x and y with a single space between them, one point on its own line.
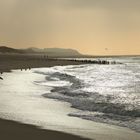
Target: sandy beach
23 102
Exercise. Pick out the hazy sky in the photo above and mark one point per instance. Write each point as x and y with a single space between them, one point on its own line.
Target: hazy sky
89 26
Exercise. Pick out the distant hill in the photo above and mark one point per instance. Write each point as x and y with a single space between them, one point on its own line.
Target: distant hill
4 49
59 52
35 50
62 52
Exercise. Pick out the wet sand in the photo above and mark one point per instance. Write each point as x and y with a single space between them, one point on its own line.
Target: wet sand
10 130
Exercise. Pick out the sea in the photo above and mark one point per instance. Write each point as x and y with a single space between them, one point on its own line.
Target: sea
101 93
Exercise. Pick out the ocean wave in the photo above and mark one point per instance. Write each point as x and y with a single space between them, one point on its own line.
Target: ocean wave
98 103
115 114
112 91
109 119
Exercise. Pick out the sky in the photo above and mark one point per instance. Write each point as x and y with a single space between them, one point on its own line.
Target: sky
96 27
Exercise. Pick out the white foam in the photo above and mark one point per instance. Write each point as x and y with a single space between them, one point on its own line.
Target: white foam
54 83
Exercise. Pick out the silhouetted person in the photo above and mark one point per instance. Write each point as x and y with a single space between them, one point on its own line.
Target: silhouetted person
1 78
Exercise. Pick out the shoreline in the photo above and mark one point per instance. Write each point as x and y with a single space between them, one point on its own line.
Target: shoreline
10 62
29 107
13 62
15 127
9 128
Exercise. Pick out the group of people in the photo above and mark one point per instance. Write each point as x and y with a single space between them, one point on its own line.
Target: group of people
20 69
26 68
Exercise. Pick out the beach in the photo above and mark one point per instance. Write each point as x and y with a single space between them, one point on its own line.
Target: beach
24 111
70 69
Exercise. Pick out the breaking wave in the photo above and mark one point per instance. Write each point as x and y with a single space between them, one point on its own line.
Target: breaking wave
108 94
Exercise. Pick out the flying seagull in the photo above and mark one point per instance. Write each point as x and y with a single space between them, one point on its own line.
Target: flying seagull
106 49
